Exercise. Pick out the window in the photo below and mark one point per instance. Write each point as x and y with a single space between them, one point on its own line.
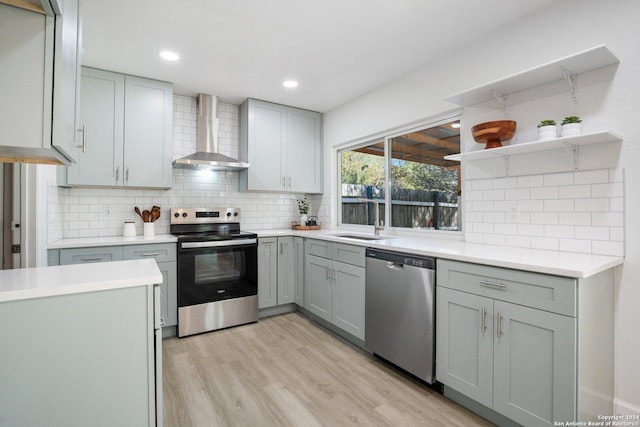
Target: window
421 187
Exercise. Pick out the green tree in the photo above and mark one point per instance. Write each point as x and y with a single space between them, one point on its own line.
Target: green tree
362 168
421 176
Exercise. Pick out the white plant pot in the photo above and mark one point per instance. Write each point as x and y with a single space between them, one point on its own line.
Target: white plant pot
546 132
571 129
303 219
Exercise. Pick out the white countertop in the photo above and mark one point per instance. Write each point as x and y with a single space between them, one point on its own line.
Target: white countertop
550 262
27 283
88 242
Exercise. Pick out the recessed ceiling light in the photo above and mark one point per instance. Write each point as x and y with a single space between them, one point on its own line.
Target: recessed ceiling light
455 125
290 83
169 56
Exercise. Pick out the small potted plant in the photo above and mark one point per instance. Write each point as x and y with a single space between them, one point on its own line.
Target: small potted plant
571 126
303 209
546 129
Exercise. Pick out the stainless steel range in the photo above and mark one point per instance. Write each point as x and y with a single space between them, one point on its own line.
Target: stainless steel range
217 270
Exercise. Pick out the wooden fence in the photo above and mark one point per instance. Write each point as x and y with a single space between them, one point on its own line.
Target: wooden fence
409 208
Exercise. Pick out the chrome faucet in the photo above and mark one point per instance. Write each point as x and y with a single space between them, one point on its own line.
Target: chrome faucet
377 226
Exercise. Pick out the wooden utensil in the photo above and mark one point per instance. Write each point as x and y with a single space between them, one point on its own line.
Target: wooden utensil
155 213
146 215
138 212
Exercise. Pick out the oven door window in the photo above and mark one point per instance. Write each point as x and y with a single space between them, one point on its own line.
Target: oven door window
216 274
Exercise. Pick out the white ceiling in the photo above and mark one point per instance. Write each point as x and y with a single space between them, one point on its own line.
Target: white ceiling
336 49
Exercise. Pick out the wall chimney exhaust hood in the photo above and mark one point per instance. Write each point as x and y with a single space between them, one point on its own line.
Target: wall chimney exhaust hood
207 156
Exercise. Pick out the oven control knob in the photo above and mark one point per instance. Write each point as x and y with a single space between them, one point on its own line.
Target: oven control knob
235 214
176 214
184 214
228 213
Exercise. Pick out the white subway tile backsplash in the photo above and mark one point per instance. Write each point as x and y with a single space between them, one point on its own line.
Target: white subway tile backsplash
574 191
612 219
518 241
543 193
616 204
544 218
494 239
574 218
592 233
530 230
591 205
552 179
505 228
608 248
591 177
546 243
517 194
614 189
493 195
530 205
505 182
559 231
529 181
559 205
573 245
482 184
616 234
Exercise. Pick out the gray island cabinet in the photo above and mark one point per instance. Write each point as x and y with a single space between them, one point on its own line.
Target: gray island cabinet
81 345
534 348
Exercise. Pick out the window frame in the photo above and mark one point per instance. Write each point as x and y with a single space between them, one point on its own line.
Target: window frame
386 138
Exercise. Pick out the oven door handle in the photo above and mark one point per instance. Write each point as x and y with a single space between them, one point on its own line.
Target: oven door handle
218 244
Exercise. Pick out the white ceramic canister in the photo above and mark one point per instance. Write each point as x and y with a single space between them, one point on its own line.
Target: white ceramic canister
571 129
546 132
149 229
129 229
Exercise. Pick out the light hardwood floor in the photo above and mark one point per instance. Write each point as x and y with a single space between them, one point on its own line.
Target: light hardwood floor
288 371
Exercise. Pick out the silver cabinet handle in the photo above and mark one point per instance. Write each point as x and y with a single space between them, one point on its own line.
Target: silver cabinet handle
289 183
328 274
126 175
284 182
493 285
84 138
150 254
499 328
483 321
281 248
118 174
99 258
162 322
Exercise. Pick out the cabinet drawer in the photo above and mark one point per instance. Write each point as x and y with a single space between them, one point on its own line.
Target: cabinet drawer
551 293
319 248
349 254
161 252
89 255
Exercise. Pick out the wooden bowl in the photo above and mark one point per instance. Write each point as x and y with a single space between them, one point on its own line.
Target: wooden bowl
494 133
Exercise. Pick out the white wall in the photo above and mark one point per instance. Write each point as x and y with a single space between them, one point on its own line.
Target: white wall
93 212
607 100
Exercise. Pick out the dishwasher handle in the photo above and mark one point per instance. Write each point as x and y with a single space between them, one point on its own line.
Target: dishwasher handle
396 266
399 258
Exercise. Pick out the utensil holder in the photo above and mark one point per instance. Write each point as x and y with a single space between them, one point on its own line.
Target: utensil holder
149 229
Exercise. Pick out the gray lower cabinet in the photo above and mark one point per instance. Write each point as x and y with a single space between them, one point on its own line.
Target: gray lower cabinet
298 294
276 271
523 362
335 284
165 255
83 359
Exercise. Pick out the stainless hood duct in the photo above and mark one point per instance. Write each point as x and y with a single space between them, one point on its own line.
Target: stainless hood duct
207 156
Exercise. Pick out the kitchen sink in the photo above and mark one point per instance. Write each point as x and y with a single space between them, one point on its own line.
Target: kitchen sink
360 237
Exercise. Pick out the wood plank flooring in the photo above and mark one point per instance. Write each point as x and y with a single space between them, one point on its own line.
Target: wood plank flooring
288 371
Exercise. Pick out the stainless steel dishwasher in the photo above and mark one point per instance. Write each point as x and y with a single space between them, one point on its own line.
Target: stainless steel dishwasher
400 311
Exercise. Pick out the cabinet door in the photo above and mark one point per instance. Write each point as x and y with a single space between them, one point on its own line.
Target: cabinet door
265 135
464 337
267 272
169 289
25 78
298 243
286 270
317 286
148 133
534 365
303 152
348 298
66 67
101 114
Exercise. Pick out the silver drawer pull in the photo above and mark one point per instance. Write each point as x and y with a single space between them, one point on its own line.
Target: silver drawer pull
499 328
483 323
494 285
93 259
150 254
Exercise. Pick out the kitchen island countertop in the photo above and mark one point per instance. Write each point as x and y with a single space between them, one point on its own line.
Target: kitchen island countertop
559 263
27 283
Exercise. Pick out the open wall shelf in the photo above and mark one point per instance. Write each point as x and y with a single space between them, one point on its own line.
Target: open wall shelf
587 60
601 137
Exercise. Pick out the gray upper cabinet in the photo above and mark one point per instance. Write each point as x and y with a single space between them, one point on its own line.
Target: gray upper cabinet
39 57
283 145
127 140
